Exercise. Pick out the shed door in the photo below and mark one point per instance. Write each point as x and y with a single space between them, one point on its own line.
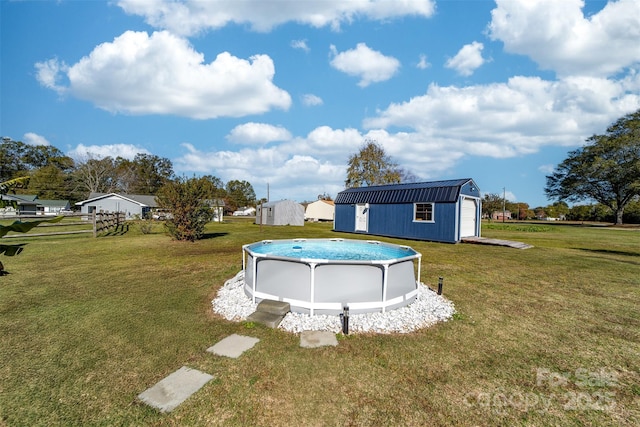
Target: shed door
362 217
468 218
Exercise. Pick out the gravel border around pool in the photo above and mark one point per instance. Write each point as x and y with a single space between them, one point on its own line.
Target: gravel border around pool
428 309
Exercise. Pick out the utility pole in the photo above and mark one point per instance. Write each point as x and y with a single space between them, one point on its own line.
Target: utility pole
504 202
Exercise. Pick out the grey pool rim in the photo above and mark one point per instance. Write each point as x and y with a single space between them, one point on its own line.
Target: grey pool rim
325 286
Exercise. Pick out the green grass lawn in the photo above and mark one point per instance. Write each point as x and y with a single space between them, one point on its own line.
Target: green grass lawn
544 336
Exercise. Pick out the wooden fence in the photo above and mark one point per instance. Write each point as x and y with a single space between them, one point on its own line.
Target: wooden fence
96 223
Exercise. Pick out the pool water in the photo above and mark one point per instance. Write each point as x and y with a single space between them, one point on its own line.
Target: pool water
334 250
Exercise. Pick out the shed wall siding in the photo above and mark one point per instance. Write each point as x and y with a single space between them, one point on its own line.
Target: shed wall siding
285 212
396 220
345 219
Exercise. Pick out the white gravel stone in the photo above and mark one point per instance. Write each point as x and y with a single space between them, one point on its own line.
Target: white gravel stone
428 308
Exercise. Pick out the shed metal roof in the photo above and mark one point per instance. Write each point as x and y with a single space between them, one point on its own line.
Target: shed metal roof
434 191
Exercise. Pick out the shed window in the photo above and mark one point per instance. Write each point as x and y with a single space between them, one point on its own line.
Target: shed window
423 212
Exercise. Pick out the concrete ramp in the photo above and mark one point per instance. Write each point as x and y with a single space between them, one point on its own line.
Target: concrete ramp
496 242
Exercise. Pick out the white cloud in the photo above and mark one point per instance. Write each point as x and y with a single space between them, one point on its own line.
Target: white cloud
423 64
558 36
311 100
126 151
316 163
438 129
369 65
35 139
509 119
190 17
289 176
258 133
300 44
467 60
162 74
48 74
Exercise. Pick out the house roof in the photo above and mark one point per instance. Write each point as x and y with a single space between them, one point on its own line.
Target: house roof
143 200
434 191
21 199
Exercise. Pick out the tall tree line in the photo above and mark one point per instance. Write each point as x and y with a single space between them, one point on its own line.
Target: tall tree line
53 175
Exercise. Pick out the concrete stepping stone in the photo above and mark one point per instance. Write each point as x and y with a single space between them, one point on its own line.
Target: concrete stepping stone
233 346
313 339
174 389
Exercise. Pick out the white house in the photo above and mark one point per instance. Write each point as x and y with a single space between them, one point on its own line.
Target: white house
132 205
320 210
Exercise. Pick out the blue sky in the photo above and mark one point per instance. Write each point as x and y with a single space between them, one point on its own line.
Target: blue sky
281 92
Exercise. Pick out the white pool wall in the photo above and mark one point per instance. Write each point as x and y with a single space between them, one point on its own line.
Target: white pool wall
322 286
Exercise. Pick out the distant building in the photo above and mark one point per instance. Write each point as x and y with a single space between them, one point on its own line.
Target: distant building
499 215
245 211
320 210
283 212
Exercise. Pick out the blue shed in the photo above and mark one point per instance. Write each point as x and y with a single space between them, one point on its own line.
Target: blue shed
441 211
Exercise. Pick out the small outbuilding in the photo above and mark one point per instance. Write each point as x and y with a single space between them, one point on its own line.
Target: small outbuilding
320 210
283 212
217 207
441 211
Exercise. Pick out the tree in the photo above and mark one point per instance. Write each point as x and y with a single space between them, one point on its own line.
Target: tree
145 174
96 175
407 176
19 159
49 182
371 166
215 186
606 170
40 156
558 209
491 203
632 212
12 164
519 210
186 199
240 194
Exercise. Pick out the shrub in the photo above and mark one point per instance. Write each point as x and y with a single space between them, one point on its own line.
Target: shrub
185 198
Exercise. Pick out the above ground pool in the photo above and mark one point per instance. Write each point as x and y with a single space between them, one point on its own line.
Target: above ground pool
323 276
